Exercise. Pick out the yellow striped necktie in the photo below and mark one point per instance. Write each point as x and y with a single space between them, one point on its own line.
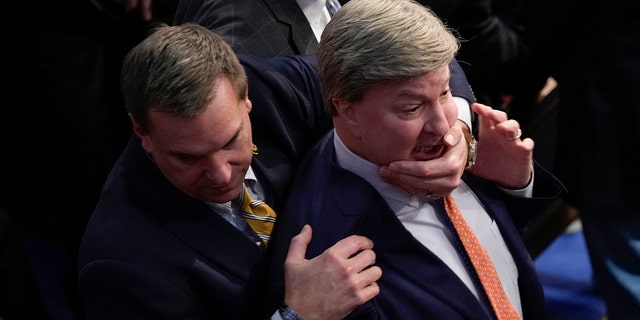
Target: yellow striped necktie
258 215
481 262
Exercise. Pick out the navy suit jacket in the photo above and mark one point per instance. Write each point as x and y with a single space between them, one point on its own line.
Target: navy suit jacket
263 27
415 283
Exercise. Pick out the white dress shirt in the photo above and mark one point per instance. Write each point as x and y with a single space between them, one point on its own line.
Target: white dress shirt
419 217
316 13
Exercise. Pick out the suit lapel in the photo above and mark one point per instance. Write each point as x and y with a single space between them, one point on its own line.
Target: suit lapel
490 197
528 281
289 12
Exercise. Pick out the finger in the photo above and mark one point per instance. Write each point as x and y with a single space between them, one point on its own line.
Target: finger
455 134
422 175
489 113
299 243
516 135
409 168
362 260
450 140
510 129
351 245
370 275
528 143
437 187
367 279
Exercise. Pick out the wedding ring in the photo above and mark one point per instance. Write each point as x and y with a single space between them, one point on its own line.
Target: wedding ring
517 134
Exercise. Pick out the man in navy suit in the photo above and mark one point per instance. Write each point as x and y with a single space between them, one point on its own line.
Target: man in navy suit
165 240
384 68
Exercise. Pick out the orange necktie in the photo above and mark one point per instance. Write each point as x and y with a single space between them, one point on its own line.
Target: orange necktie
258 215
482 263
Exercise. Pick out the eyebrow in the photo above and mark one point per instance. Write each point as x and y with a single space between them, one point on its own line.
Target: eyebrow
234 137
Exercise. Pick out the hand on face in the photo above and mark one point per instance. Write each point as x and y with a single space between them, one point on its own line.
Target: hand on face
437 177
334 283
502 156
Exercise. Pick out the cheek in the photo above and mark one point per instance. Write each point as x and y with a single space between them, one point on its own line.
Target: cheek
394 142
451 112
181 175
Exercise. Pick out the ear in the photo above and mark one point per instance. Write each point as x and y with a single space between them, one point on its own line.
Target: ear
248 103
347 111
137 129
347 118
141 133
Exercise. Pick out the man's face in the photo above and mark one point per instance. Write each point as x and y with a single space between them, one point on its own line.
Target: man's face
205 156
404 121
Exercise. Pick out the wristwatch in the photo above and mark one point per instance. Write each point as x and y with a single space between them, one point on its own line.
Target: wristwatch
472 145
473 151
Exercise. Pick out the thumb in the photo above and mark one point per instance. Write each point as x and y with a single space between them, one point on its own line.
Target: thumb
299 243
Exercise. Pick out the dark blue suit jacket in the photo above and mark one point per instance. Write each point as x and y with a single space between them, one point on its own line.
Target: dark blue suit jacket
415 283
152 252
266 28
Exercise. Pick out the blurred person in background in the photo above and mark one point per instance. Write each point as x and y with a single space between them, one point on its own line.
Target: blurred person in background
63 130
595 55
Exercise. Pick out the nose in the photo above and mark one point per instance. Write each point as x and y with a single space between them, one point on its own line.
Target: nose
436 121
217 170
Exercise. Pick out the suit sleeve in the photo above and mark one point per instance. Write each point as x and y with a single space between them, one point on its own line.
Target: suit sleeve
288 116
460 88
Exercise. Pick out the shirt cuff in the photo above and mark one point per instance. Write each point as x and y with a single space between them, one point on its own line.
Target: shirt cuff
526 192
464 111
286 313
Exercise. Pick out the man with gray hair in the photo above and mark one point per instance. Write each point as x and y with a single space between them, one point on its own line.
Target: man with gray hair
384 68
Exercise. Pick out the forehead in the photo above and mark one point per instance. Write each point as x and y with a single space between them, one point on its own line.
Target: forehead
428 83
221 119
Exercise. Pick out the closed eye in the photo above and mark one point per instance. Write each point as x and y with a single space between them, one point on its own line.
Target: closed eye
185 158
412 109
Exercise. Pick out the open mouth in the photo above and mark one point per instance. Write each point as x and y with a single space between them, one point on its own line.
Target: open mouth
427 152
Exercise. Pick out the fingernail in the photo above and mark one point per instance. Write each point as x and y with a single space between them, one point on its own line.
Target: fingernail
450 139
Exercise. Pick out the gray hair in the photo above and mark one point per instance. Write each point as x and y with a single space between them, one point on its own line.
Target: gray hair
368 42
175 70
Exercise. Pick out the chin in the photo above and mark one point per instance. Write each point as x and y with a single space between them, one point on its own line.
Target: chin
220 196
